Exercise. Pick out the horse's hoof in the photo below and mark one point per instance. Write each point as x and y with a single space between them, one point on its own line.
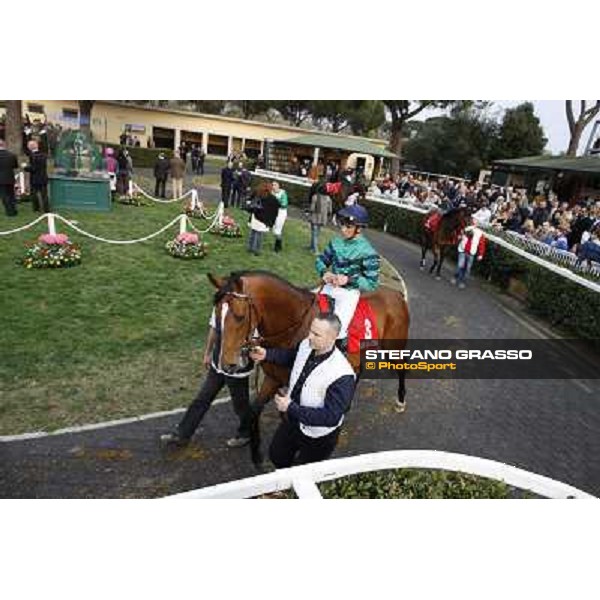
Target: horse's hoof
438 278
422 267
400 407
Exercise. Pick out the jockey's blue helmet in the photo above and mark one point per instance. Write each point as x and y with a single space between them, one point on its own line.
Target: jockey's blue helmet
355 215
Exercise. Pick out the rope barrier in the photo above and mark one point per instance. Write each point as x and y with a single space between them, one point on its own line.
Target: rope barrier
144 193
218 216
196 203
101 239
24 226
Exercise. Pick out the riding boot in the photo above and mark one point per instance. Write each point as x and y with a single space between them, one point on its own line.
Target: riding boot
278 245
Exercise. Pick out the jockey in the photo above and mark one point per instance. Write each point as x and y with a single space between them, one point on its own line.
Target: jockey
349 265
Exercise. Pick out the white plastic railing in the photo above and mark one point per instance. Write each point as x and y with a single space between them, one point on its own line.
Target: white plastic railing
562 257
297 179
303 479
562 271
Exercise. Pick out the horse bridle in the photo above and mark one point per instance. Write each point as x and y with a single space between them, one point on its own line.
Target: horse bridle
251 340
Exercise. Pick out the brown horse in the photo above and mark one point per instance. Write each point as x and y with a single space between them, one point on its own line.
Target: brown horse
282 314
446 233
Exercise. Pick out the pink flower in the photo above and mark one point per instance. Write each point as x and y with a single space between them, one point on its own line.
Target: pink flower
49 238
187 238
227 220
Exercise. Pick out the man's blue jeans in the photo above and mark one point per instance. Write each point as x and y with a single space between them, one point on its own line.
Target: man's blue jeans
463 268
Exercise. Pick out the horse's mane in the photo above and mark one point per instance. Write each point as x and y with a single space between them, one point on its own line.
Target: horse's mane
236 276
455 212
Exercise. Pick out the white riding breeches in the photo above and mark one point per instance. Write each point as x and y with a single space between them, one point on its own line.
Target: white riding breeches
345 304
280 221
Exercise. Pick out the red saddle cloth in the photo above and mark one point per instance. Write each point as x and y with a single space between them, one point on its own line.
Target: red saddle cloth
333 188
363 325
432 222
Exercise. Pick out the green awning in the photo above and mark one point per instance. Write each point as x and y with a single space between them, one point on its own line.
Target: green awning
358 145
578 164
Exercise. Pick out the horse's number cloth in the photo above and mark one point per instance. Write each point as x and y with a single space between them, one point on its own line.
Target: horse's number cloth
333 188
433 222
363 325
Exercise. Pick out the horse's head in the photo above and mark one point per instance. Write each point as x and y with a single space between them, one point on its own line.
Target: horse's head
237 319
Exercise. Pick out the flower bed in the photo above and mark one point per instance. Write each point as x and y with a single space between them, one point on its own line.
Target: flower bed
186 245
52 251
228 228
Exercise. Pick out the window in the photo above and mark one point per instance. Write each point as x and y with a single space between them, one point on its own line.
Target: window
135 128
35 108
70 114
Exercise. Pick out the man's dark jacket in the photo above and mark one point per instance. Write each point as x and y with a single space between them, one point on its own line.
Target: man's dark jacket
38 169
8 164
161 168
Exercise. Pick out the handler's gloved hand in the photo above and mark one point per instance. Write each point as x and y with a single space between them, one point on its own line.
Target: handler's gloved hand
257 353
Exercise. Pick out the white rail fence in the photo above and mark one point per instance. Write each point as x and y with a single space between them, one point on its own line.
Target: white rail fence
303 479
534 245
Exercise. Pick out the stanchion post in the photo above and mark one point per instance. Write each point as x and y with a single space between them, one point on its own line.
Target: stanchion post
51 224
182 223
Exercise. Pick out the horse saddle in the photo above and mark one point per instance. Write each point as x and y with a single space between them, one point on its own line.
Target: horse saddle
363 325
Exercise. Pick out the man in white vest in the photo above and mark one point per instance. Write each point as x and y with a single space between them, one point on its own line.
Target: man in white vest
321 387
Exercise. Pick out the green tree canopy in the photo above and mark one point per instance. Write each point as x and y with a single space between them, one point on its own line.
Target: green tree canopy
520 134
295 112
402 111
459 144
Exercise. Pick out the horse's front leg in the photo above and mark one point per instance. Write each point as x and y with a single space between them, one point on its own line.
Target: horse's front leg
424 245
435 251
438 275
267 391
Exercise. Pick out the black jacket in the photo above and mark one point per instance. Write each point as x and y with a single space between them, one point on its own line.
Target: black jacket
226 177
267 213
161 168
8 164
38 169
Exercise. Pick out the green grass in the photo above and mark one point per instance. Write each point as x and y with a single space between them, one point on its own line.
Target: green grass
121 334
417 483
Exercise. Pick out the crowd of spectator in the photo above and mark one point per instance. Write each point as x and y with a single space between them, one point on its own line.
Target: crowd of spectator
562 225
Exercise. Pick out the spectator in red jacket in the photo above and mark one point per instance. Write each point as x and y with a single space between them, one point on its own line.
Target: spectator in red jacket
471 245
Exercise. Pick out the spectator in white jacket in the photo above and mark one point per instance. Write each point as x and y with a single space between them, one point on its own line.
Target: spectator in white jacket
483 215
